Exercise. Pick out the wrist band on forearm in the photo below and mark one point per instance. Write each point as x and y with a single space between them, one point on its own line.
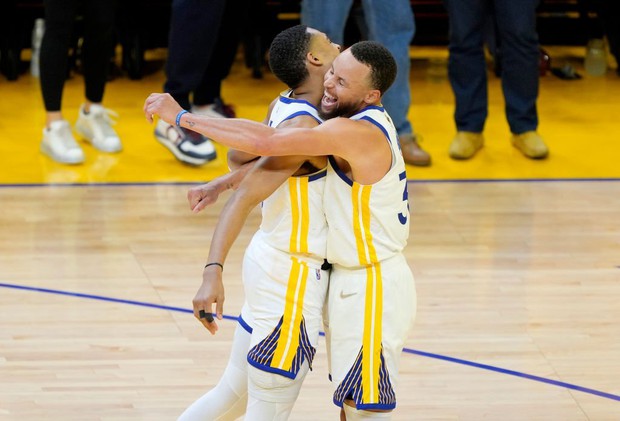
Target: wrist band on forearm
179 115
215 264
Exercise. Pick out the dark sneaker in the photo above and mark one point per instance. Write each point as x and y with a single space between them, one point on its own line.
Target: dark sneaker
186 145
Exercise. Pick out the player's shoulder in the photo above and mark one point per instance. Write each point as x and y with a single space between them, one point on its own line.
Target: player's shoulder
273 104
346 124
299 121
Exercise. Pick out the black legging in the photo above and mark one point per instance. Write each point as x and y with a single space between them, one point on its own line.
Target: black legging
98 37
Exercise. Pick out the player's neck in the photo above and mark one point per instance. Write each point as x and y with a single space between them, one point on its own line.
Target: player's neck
365 105
311 90
311 97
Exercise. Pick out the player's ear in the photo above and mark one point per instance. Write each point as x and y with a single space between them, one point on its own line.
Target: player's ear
313 59
373 96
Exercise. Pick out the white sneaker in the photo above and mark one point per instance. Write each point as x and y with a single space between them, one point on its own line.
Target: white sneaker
186 145
96 127
59 144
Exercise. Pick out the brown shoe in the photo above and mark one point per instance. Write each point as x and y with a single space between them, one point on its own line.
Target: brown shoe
465 145
413 154
530 144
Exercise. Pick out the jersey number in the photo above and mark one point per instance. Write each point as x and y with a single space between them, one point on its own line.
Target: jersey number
403 217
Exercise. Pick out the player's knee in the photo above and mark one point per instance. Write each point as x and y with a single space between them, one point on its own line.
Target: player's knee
234 380
259 410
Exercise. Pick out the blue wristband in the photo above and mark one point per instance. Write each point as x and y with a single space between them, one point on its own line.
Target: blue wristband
179 115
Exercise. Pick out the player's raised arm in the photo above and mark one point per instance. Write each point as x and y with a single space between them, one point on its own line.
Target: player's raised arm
337 137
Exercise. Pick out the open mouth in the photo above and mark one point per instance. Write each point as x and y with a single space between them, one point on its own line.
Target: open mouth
328 102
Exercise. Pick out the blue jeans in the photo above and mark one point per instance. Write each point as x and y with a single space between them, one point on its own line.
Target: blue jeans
389 22
517 43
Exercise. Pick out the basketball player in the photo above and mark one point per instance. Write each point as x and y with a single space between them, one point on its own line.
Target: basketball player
371 302
284 283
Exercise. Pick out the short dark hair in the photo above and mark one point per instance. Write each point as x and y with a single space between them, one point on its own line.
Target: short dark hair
380 60
287 55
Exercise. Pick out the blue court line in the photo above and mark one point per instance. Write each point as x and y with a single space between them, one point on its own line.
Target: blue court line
410 180
103 298
405 350
514 373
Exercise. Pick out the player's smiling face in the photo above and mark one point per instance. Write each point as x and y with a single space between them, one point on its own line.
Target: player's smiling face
347 85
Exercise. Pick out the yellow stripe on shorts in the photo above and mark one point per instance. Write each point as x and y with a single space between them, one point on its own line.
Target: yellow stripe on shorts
371 355
288 342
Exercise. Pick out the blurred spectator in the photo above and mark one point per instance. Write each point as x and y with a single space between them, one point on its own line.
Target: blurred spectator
94 122
515 23
204 36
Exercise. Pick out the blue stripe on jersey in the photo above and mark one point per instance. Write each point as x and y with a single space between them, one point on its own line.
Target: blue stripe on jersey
244 324
379 125
261 355
288 100
370 107
298 113
317 175
340 173
351 387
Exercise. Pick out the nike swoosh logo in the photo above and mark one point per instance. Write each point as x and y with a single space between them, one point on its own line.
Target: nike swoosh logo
344 294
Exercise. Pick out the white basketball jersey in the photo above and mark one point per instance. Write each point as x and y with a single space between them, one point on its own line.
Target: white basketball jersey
293 220
367 223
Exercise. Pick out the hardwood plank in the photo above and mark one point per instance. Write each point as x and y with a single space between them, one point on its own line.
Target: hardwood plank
518 276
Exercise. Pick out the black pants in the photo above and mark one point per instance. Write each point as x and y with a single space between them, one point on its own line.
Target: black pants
98 37
204 35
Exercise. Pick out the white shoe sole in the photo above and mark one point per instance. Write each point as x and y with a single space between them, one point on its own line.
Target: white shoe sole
46 150
181 157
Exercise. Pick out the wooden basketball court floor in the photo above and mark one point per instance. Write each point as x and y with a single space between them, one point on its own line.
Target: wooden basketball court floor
517 264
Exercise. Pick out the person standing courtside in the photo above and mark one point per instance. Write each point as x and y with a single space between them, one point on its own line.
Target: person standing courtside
94 122
516 33
203 40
